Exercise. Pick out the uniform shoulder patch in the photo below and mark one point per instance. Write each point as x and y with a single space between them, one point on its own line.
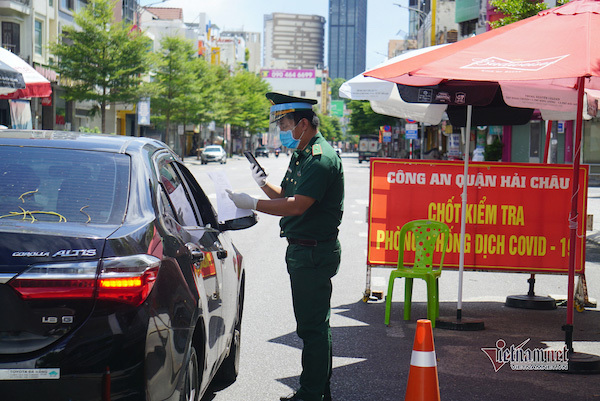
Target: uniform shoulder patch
316 149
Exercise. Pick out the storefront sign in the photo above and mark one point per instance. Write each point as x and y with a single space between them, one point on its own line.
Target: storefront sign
288 74
517 214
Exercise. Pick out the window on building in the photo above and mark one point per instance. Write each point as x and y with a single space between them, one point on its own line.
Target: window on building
129 10
38 37
468 28
67 4
302 93
10 37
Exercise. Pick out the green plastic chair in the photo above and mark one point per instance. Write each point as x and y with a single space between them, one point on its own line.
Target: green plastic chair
426 233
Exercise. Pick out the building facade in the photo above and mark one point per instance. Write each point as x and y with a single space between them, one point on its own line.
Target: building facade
347 50
293 41
243 48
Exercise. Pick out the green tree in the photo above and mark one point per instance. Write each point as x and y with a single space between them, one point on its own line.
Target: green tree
243 103
364 121
330 128
515 10
102 59
196 107
335 88
253 109
176 83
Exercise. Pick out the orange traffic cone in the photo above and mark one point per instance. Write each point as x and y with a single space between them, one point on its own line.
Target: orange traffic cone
423 382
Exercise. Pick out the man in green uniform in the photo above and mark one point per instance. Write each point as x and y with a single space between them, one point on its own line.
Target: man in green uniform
310 199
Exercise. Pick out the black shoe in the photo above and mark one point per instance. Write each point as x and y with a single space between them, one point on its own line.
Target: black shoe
292 397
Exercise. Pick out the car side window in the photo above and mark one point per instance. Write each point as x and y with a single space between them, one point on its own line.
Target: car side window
185 211
207 213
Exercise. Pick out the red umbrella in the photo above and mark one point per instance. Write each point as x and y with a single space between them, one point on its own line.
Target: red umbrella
556 43
544 61
35 84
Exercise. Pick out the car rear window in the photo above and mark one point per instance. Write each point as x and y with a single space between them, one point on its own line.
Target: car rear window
62 185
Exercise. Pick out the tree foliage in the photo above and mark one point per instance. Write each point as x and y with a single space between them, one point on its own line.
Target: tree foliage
250 107
174 89
335 88
515 10
101 61
330 127
364 121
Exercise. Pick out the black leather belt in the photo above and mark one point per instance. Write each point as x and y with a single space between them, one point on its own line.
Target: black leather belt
308 242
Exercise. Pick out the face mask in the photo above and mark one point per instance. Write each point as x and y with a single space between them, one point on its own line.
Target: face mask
287 138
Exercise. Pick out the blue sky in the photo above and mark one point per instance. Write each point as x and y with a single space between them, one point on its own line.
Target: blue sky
384 19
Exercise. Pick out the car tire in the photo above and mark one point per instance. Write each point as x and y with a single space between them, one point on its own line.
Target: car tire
190 390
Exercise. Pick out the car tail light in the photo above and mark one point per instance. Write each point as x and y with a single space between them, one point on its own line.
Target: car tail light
127 279
59 280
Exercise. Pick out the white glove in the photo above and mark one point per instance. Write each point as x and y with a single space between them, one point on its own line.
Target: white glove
259 175
242 200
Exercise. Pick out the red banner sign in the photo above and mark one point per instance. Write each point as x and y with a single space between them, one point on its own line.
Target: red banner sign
517 214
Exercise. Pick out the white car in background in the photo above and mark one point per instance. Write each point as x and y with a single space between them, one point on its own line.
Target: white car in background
213 153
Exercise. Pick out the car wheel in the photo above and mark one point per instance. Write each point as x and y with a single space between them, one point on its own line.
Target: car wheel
230 367
191 384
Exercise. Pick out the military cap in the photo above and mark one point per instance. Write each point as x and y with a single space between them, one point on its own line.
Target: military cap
284 104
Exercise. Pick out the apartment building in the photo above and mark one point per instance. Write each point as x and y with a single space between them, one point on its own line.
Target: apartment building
347 38
293 41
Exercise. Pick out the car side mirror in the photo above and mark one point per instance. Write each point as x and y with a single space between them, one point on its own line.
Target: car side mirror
239 223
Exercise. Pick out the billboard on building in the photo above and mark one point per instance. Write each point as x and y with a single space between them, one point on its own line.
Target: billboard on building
337 108
290 80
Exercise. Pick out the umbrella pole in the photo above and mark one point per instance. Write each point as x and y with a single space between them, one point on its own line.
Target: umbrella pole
573 218
578 362
461 323
530 300
463 213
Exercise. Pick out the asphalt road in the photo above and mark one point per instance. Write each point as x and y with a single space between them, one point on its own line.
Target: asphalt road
371 361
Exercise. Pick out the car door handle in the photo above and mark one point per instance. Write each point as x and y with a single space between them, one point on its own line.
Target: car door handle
222 254
197 254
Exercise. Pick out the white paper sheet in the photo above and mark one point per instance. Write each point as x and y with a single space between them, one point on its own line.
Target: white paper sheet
226 209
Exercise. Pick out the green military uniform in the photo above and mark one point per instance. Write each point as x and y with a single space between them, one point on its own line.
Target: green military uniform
313 257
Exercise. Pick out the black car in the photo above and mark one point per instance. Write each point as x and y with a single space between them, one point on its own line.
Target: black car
117 281
261 151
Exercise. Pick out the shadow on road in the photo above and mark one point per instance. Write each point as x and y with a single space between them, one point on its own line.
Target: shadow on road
372 361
